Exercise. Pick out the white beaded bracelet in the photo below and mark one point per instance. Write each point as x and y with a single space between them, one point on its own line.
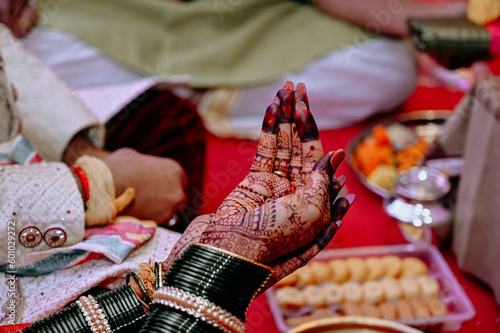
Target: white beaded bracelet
93 314
198 307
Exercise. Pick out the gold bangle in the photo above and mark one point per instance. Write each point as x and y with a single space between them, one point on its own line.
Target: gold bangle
198 307
93 314
235 255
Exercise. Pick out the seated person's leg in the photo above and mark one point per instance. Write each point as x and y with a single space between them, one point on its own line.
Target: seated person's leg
345 87
74 61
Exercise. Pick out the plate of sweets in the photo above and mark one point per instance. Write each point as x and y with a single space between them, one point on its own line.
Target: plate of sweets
409 284
386 148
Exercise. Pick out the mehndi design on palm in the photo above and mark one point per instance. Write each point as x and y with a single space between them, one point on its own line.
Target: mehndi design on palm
283 213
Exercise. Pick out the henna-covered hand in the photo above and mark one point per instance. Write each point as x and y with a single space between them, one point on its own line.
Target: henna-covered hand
284 212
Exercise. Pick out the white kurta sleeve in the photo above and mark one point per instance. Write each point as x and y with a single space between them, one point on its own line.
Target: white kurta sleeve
51 114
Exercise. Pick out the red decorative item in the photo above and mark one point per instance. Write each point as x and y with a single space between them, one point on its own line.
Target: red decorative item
55 237
84 180
30 237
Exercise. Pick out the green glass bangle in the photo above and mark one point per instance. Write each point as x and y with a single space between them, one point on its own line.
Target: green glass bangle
132 275
205 261
192 281
237 267
229 281
121 307
71 316
219 285
203 270
158 275
163 319
209 256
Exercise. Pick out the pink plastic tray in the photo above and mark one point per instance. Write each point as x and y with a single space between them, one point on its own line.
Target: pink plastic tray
460 308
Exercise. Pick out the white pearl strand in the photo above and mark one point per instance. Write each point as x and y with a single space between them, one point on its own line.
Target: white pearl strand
93 314
199 308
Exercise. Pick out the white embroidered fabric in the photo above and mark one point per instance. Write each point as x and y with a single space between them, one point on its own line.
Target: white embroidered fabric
44 295
43 200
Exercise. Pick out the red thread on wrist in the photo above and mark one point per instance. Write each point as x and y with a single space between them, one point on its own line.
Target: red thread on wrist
83 179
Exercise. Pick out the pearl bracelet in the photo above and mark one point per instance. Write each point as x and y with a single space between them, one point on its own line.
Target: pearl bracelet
93 314
199 308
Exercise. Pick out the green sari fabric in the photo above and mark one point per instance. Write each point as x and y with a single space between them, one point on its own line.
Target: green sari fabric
209 42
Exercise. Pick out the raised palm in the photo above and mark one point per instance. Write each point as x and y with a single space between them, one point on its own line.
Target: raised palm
283 213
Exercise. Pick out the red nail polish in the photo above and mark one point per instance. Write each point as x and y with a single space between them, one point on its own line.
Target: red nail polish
337 157
306 125
286 105
270 122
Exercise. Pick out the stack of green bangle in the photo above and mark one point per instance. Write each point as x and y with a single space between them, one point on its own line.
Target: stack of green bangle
121 307
167 320
225 279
